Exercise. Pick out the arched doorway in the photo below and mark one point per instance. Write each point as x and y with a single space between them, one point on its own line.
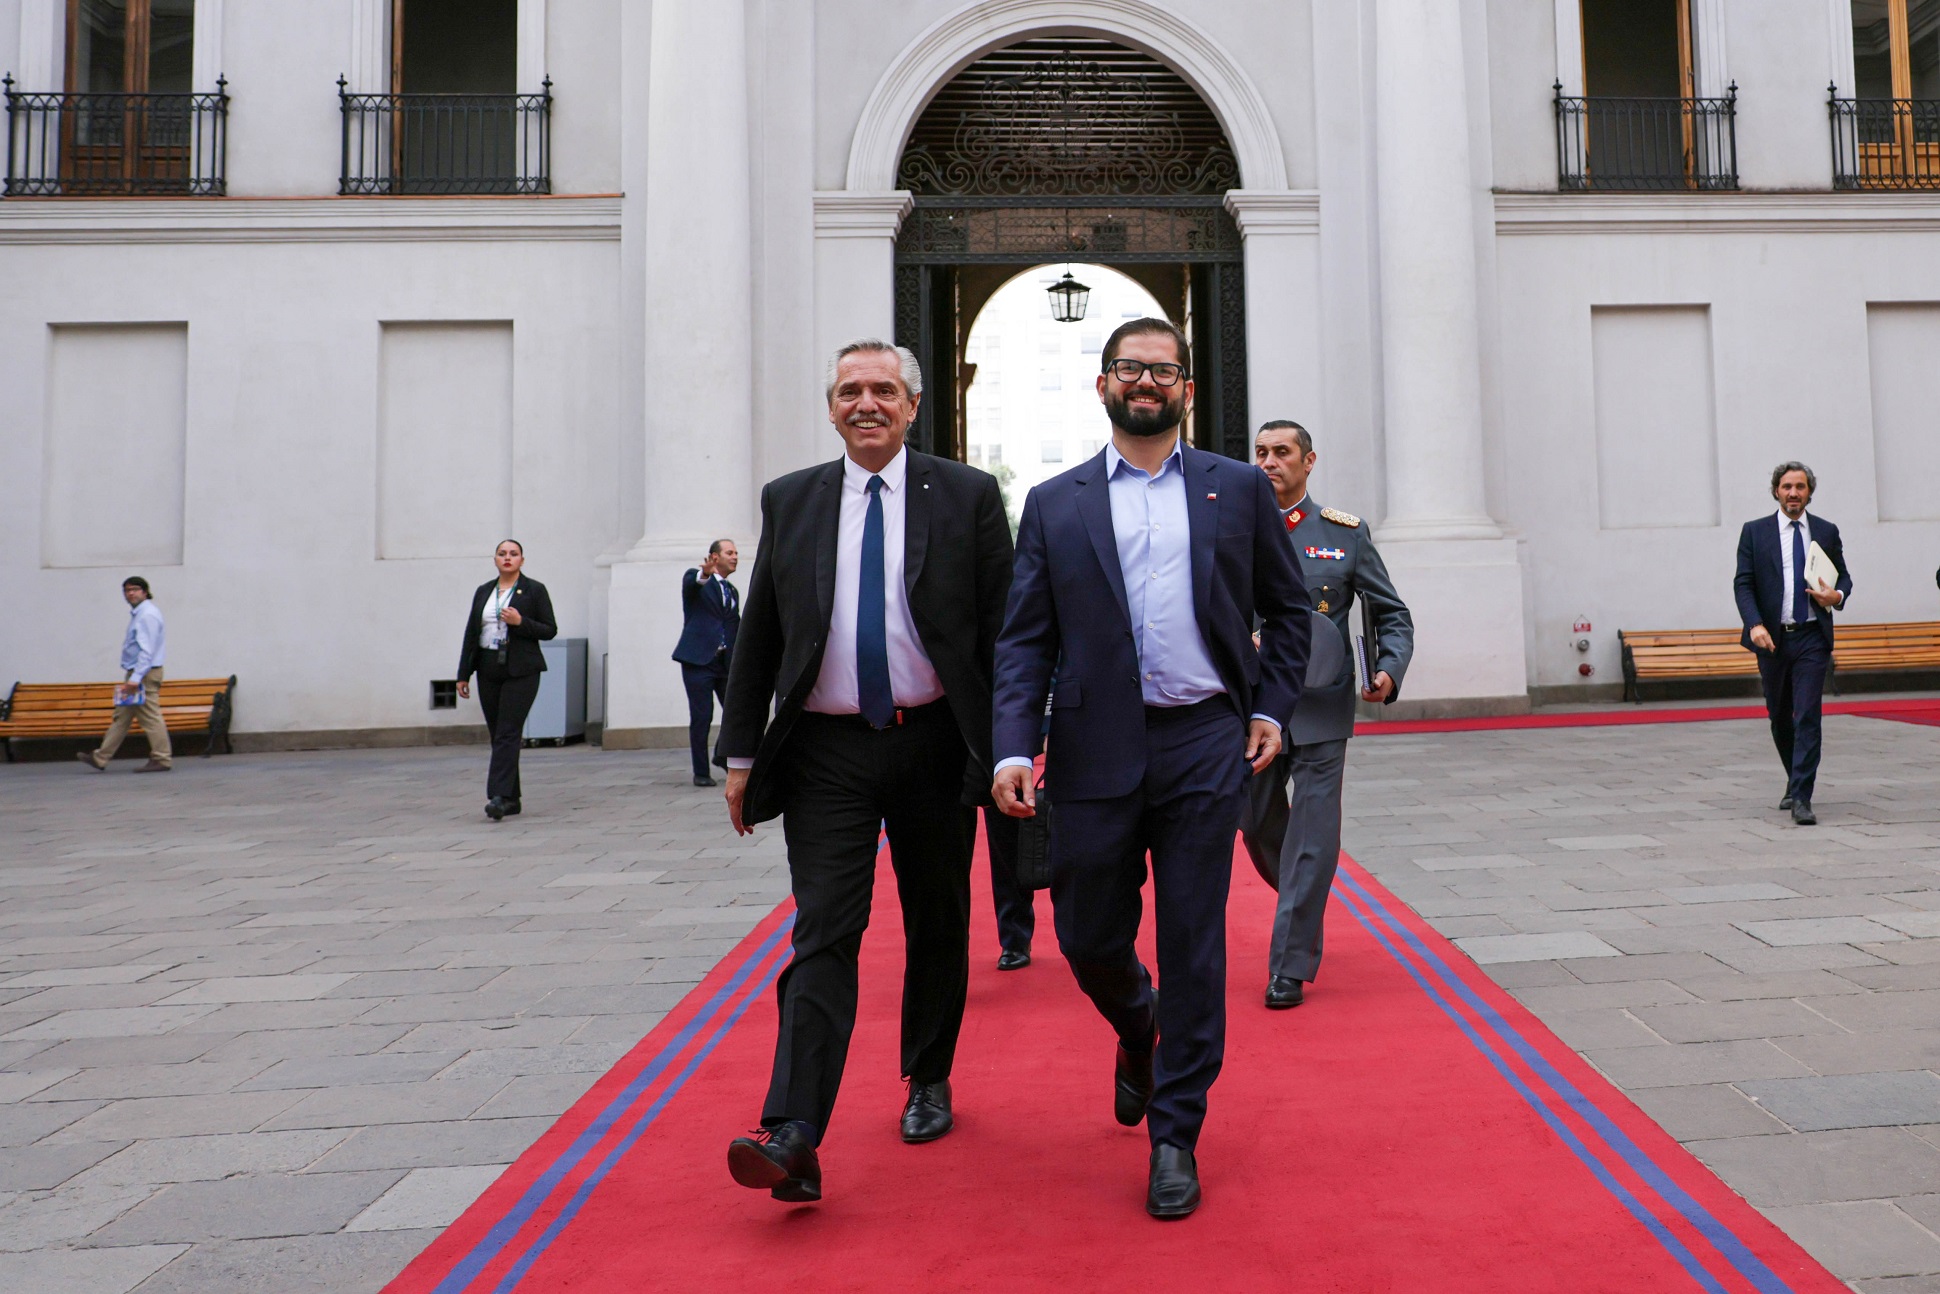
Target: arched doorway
1071 149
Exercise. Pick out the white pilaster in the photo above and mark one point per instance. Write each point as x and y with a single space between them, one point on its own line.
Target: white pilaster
369 70
1569 46
1281 232
699 403
1450 560
532 46
855 266
1709 48
43 25
1840 70
206 59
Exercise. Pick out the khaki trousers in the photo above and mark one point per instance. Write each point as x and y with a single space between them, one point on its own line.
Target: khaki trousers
152 725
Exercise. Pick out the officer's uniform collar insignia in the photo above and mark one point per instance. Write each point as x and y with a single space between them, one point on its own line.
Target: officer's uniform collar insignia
1294 517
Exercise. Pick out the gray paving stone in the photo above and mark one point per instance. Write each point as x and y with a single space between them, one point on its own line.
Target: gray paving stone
1861 1239
1704 1111
84 1271
1825 1167
1851 1101
1722 1021
43 1167
1486 950
1820 930
250 1207
426 1197
162 1160
1696 1062
180 1116
344 1263
1729 893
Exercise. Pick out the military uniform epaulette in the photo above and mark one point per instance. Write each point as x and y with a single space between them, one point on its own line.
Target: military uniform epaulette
1340 518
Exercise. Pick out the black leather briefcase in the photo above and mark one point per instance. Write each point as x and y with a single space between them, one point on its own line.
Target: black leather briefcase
1034 844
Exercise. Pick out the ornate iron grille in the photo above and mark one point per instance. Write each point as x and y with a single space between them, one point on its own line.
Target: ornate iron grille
1068 117
1885 143
446 143
1652 144
105 145
958 231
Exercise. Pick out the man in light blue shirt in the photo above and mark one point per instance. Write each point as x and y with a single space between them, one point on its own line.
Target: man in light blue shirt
143 653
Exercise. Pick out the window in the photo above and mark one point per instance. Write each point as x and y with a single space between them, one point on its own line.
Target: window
1640 123
1896 49
1050 451
454 121
130 46
1094 342
994 454
1887 136
1050 379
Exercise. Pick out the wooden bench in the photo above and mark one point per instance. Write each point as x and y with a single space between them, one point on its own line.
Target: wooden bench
1678 655
51 711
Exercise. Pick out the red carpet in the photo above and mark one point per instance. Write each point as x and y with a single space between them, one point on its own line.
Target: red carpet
1915 710
1410 1129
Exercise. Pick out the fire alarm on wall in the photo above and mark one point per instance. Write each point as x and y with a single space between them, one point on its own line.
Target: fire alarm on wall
1586 669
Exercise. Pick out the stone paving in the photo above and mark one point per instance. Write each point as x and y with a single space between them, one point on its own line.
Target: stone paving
269 1022
1770 994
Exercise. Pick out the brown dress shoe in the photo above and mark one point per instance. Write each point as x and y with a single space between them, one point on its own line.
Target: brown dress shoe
87 757
156 766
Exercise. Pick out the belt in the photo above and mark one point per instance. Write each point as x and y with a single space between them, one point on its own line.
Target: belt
1799 629
905 716
1180 713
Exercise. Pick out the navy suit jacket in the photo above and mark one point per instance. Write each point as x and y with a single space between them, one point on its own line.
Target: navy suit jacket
1760 582
1068 613
713 614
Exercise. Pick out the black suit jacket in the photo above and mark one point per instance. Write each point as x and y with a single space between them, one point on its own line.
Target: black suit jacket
956 573
713 616
522 654
1069 613
1760 582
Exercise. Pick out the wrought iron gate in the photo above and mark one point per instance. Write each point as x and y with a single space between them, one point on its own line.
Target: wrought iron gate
1071 150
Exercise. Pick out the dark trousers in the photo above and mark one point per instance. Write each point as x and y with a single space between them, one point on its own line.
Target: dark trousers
704 683
1296 848
1794 681
506 702
844 781
1016 917
1184 814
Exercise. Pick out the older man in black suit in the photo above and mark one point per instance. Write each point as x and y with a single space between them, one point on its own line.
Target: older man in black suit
877 595
1788 623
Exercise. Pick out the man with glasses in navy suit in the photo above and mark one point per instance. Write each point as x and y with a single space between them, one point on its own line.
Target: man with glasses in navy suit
1788 623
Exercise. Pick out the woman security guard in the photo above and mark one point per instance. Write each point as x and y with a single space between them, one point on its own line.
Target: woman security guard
510 617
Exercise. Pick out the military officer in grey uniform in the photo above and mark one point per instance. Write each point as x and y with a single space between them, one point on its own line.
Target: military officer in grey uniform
1296 848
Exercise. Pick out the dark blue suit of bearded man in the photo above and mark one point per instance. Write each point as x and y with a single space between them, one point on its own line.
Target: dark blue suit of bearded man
1141 592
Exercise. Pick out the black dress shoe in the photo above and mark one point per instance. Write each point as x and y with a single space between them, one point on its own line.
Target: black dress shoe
1785 803
495 808
511 808
1014 959
1283 991
1132 1085
926 1115
1802 814
1174 1191
780 1161
704 781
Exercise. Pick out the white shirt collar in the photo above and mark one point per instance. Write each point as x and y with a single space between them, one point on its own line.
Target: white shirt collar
1113 459
1785 522
856 477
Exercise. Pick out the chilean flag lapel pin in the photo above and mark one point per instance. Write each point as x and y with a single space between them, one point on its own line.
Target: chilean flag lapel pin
1211 497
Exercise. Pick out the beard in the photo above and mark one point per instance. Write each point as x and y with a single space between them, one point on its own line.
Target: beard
1145 421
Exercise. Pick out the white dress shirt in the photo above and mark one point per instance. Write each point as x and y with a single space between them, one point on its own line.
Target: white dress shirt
146 645
1785 558
912 678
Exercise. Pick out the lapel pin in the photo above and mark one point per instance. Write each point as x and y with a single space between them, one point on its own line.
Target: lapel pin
1212 496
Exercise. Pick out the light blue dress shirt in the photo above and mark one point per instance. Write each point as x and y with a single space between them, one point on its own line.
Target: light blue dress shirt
146 645
1154 535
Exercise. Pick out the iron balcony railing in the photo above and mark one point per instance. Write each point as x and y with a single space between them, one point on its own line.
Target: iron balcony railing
446 143
1647 144
1885 143
114 145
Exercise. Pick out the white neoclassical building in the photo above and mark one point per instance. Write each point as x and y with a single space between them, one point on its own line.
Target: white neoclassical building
302 307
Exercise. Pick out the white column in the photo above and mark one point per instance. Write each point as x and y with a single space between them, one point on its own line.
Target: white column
1451 562
699 401
1569 46
206 58
1709 45
1281 231
370 47
855 266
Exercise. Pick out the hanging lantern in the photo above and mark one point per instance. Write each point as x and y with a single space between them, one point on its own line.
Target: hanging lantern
1068 298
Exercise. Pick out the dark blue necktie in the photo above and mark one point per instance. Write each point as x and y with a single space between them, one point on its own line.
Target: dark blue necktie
1801 605
875 698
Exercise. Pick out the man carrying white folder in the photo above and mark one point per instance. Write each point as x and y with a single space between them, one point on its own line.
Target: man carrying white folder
1791 575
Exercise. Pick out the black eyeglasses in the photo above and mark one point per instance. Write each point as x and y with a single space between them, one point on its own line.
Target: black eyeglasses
1130 370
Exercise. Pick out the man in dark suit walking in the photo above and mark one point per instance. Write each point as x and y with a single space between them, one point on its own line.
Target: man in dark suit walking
1139 574
1296 848
869 624
1788 623
712 608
